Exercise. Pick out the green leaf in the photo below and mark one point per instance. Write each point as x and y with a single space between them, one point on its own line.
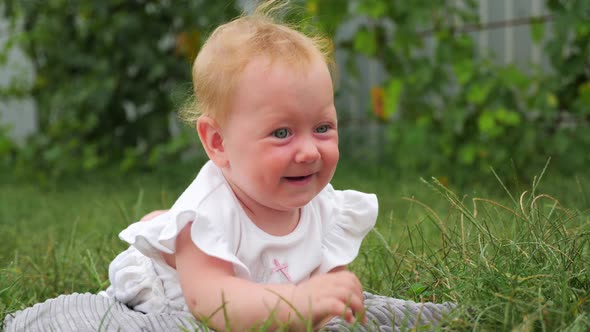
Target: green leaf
5 145
423 121
582 30
505 116
467 154
373 8
512 76
479 92
393 92
551 100
463 70
584 93
53 153
417 288
537 31
365 42
486 122
488 125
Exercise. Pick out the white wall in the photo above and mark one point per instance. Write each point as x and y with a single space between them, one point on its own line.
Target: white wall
16 114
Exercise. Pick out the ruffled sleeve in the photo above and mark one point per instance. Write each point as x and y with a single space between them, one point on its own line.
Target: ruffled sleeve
212 236
215 228
347 217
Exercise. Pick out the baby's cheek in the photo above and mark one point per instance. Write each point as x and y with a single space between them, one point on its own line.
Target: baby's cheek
331 154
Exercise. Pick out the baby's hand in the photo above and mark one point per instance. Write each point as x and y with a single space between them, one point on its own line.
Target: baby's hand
325 296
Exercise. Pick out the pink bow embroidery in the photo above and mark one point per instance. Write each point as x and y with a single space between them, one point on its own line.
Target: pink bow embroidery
281 268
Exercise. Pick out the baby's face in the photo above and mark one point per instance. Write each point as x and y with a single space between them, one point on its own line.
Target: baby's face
281 136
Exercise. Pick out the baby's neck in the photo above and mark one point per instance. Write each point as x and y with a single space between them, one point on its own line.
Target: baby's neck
272 221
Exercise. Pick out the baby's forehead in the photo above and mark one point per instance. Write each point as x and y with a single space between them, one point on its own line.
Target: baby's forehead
264 79
270 64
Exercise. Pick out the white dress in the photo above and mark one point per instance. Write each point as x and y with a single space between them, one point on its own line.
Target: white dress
330 231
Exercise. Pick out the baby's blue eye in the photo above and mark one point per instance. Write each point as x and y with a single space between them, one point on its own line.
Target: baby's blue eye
281 133
322 129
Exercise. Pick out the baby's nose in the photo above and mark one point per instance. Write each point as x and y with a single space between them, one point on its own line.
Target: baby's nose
307 152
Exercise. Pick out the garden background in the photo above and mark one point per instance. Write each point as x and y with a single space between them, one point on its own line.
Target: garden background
469 119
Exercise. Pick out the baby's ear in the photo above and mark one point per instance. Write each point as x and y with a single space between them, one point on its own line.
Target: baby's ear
212 140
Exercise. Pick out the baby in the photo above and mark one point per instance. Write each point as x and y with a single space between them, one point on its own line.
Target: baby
260 236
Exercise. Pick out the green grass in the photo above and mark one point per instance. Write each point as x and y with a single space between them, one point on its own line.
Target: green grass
510 259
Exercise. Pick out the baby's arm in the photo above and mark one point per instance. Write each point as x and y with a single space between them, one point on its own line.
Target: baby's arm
212 291
152 215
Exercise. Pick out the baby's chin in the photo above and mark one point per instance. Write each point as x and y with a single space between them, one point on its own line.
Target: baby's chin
298 204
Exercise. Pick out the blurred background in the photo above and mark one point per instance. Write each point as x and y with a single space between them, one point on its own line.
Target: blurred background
449 89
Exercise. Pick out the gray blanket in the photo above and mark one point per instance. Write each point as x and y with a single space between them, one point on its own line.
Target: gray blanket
90 312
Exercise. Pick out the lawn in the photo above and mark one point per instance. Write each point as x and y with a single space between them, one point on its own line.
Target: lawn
511 258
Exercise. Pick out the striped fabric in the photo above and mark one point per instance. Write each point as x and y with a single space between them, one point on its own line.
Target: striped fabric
90 312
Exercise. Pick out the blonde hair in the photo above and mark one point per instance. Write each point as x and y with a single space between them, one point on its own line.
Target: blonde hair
233 45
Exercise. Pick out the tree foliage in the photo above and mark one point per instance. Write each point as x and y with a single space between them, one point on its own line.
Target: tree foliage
450 110
108 73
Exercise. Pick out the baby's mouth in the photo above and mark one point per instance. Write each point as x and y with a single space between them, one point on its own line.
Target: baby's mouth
297 178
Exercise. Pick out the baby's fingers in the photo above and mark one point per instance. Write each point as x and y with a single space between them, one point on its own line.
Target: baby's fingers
349 316
350 281
361 316
355 303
